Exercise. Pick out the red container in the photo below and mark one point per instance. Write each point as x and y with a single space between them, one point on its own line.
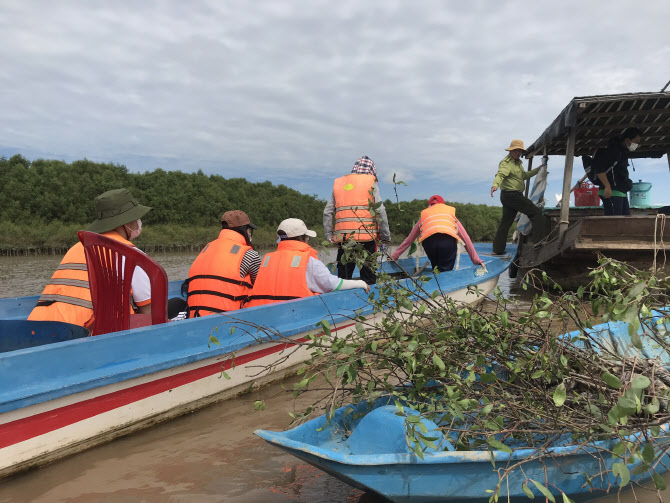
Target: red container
587 195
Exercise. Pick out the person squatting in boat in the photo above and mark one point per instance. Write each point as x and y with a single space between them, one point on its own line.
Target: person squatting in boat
294 271
349 206
439 230
67 297
224 272
611 168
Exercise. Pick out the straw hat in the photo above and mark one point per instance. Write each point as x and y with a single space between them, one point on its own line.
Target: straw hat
116 207
515 145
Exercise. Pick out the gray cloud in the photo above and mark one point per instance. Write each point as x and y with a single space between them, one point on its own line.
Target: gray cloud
284 90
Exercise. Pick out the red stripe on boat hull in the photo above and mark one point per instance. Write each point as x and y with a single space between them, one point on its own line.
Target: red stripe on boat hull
23 429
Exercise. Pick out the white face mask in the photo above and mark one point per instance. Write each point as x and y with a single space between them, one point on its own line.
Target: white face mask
633 146
134 233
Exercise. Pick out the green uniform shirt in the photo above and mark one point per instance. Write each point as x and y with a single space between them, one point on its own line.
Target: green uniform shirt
511 175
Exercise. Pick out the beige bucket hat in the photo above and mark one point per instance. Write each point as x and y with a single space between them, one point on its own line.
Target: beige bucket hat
515 145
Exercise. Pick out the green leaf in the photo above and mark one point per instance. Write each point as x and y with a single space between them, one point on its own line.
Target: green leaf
635 338
611 380
655 431
621 470
648 453
496 444
527 490
559 395
487 378
259 405
437 361
658 481
618 450
566 498
544 491
641 382
537 373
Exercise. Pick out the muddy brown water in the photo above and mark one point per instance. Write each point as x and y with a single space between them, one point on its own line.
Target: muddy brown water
207 456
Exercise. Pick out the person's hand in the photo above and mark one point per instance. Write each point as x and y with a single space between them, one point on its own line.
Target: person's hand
607 193
493 189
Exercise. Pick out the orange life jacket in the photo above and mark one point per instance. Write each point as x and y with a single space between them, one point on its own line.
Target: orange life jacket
214 283
353 196
282 275
67 296
438 219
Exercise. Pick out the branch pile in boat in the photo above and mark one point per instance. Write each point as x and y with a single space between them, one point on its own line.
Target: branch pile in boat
500 377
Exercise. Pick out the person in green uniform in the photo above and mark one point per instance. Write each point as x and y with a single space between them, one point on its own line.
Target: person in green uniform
510 178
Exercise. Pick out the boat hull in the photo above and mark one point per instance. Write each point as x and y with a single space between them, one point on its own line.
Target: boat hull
61 398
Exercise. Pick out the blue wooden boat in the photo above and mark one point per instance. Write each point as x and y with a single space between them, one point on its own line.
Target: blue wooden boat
61 391
375 456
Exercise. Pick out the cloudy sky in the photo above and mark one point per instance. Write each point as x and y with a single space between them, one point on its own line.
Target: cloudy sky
295 91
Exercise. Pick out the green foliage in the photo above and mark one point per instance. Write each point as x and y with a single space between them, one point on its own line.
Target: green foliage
46 201
500 378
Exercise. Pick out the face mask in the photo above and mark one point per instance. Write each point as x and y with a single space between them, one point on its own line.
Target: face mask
632 147
134 233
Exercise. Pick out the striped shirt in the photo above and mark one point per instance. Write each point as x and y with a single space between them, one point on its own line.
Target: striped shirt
251 263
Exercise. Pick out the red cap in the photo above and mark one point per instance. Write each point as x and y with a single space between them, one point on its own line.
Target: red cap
435 200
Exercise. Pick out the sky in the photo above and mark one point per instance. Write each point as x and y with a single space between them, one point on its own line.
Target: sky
295 91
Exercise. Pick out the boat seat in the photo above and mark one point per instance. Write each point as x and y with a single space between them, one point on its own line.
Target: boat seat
22 334
111 265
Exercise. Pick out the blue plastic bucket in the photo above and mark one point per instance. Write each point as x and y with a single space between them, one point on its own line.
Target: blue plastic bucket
640 194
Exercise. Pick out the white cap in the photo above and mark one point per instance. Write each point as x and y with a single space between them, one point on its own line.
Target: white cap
294 227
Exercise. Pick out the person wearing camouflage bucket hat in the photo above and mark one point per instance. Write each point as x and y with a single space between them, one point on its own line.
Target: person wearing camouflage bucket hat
67 297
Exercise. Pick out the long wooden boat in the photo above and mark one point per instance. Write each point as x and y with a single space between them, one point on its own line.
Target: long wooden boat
575 236
61 397
375 457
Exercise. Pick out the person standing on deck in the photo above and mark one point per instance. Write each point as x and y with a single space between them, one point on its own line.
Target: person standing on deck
611 166
439 230
224 272
349 208
294 271
510 178
67 297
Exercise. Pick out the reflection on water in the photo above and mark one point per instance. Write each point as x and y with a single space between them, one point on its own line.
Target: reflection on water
207 456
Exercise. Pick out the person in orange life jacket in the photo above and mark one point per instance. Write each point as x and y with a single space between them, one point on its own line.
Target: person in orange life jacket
294 271
222 275
67 297
611 167
438 229
348 207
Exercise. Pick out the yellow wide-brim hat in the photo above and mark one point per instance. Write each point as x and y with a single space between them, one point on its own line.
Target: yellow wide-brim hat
515 145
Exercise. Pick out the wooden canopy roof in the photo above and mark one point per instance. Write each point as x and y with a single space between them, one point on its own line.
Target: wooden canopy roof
596 119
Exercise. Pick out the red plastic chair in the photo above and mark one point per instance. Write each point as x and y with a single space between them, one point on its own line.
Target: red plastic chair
111 265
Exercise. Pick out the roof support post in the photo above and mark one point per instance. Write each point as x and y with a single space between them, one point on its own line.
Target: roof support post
567 183
530 166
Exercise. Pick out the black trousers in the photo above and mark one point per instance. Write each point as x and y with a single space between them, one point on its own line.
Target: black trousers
346 271
514 202
441 250
615 205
